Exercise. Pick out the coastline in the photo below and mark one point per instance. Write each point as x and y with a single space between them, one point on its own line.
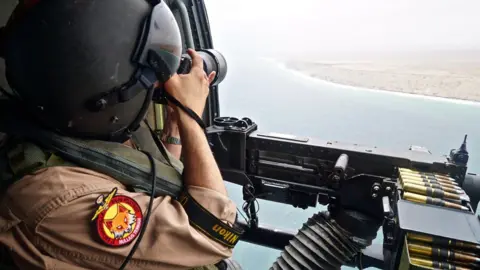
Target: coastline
449 82
389 92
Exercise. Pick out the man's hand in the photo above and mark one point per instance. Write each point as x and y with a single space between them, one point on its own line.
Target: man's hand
191 89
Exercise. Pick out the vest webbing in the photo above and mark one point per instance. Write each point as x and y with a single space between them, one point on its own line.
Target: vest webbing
24 158
32 149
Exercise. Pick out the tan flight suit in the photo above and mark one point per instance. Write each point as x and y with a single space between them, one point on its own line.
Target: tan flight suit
45 221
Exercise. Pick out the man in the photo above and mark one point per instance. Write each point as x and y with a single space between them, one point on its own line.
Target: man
72 217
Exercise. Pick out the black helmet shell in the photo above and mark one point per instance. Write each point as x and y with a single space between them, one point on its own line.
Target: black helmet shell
64 52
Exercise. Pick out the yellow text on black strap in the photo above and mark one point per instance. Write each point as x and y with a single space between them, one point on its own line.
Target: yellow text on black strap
208 224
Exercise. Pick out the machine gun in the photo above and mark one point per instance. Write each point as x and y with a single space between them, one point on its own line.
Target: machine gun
424 203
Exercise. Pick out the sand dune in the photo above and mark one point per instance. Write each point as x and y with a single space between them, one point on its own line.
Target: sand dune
449 79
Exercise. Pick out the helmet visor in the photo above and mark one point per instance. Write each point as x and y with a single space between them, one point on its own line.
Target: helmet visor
162 47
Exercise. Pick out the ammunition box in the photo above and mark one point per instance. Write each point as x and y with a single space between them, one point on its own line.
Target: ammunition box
446 233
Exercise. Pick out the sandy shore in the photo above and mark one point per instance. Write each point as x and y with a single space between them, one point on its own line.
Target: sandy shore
452 79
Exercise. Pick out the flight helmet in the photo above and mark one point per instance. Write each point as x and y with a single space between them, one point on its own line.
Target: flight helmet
88 68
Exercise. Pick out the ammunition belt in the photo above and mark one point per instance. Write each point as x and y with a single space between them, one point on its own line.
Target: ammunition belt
433 189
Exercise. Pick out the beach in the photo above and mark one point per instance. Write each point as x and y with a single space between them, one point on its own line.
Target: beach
438 77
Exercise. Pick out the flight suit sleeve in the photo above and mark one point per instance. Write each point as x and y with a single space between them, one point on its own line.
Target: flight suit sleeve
67 233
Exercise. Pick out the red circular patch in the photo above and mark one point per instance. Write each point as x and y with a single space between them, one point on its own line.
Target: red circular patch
121 222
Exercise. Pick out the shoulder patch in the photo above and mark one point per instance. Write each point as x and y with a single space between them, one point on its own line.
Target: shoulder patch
118 219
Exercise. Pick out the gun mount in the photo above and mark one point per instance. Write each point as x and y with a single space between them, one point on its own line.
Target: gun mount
364 188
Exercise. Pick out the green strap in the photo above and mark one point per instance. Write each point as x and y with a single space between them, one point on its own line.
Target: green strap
26 158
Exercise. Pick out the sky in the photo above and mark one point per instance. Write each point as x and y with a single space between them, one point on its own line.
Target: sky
341 25
306 26
309 27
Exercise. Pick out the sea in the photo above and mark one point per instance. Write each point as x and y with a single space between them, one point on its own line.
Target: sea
282 100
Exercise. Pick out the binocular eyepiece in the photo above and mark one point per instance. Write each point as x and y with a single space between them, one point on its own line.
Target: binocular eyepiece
212 61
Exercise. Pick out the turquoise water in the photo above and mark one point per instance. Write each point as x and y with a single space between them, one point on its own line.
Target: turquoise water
280 100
